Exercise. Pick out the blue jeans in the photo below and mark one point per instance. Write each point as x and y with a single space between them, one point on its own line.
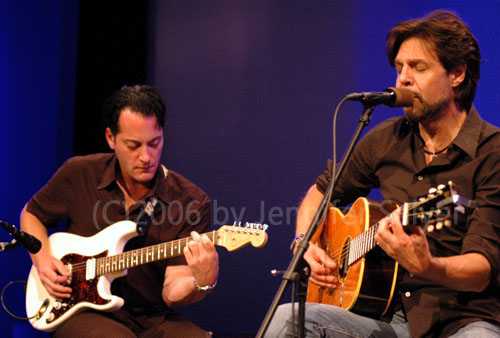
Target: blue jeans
331 321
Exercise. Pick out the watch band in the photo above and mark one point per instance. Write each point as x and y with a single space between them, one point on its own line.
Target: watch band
205 289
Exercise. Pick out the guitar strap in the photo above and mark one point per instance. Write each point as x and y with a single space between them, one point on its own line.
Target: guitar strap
146 216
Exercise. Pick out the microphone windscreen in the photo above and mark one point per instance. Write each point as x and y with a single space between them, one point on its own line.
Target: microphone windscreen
404 97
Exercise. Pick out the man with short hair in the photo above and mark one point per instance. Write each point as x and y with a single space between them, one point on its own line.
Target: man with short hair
448 281
95 191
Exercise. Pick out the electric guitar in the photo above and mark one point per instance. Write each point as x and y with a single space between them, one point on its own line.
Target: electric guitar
367 278
94 262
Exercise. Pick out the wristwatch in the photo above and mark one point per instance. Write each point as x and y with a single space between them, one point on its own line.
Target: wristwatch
205 289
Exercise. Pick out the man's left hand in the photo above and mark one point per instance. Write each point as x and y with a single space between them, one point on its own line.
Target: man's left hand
202 259
411 250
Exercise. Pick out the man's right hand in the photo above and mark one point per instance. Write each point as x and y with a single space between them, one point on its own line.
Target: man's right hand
324 270
53 275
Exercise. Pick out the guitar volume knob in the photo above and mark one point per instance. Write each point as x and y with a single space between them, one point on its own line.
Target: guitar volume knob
50 317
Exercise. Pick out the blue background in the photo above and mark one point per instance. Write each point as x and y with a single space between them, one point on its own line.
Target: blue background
250 90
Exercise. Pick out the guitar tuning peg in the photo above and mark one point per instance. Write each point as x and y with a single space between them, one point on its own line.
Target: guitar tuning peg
430 228
447 223
422 199
441 187
439 225
432 190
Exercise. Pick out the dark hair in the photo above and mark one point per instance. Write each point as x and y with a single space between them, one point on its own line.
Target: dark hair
452 42
141 99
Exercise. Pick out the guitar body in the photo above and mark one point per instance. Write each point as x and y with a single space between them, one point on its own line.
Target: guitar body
366 286
93 293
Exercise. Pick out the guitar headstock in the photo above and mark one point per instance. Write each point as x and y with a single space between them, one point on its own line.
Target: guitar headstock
235 237
437 209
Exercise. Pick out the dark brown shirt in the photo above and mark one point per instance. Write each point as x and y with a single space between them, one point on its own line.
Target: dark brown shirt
391 157
85 192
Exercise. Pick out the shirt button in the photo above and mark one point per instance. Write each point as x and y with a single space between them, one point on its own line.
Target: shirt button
411 275
420 177
407 294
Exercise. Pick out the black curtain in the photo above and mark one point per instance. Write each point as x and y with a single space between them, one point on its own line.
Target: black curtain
112 52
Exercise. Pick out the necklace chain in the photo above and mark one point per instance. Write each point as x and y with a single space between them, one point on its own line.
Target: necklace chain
435 153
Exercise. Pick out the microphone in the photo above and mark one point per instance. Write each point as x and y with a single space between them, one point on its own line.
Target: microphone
29 242
392 97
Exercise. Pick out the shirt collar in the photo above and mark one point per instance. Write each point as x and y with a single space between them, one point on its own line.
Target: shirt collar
467 138
159 186
109 175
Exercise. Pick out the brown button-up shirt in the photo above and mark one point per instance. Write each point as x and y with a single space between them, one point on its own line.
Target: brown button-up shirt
85 192
391 157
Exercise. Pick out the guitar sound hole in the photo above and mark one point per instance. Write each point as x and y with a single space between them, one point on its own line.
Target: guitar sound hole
343 264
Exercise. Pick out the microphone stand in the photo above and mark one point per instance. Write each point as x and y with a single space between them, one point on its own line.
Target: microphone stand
6 246
298 269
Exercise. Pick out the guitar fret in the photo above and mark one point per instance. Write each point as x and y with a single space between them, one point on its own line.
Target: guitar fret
363 248
353 250
371 238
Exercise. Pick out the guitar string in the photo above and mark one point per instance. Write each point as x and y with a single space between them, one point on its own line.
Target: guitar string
342 251
81 266
411 205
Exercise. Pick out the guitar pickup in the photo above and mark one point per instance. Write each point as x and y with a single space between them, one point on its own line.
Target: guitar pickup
70 279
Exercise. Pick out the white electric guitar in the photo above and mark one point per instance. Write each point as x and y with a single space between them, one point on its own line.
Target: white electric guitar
94 262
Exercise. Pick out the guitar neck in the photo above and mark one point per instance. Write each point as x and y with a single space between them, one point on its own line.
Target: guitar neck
365 242
133 258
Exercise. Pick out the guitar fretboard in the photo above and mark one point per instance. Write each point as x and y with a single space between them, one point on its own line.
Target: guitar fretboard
362 244
133 258
365 242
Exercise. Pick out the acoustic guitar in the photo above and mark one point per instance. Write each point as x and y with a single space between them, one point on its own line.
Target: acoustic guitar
367 276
